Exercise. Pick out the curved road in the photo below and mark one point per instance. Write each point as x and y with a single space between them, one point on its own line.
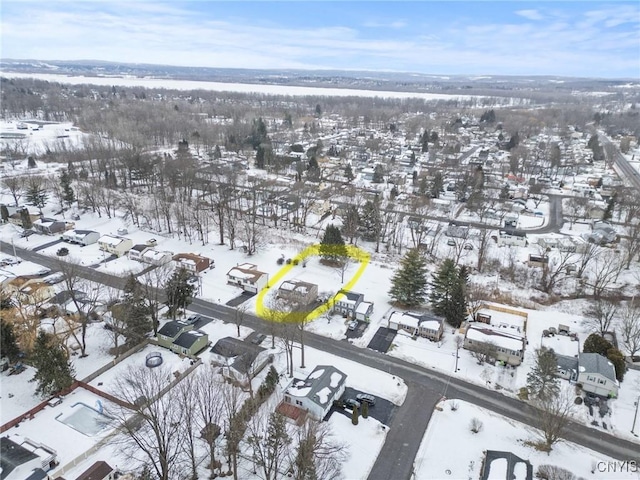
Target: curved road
425 388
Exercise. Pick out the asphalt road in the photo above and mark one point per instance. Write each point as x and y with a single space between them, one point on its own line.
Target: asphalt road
425 388
630 174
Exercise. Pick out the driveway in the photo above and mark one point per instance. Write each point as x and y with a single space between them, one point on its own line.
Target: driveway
382 411
47 245
358 331
382 339
240 299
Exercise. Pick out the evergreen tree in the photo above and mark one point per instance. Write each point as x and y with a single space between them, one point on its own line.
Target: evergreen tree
8 342
26 219
354 415
378 174
504 192
179 291
318 110
31 163
412 160
53 370
68 195
134 312
596 344
258 133
541 379
448 297
437 184
4 213
409 282
36 194
217 154
365 410
370 221
394 192
332 244
348 173
260 154
425 144
611 204
616 357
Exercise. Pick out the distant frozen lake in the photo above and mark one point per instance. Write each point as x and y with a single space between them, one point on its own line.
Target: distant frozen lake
150 82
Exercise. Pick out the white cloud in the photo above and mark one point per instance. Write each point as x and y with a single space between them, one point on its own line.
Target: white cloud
530 14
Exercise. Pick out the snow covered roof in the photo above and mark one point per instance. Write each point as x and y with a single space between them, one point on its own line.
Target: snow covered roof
500 339
321 386
363 307
416 320
296 286
111 241
242 273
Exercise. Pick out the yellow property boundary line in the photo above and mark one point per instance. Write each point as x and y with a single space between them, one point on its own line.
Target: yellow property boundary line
349 251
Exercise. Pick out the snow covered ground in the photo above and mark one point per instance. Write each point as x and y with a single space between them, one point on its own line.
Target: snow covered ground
36 138
450 450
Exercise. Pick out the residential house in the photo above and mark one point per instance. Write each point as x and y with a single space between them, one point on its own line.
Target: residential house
182 339
317 392
170 331
540 261
247 277
347 302
17 217
494 467
49 226
137 250
364 311
512 238
23 459
190 343
191 262
240 358
509 348
301 293
100 470
567 367
30 290
118 246
597 375
155 257
417 324
81 237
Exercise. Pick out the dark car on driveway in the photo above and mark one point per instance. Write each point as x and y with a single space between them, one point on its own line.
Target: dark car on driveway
351 403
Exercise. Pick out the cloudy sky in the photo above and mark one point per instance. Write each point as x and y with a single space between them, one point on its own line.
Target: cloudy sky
577 38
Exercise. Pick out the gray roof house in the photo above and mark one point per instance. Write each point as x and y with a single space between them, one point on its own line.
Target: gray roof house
348 302
23 459
49 226
317 392
567 367
597 375
241 357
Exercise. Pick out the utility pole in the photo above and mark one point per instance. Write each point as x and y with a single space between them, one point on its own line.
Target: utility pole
635 417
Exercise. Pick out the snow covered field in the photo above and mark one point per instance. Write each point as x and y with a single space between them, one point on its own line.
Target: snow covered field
150 82
449 431
36 138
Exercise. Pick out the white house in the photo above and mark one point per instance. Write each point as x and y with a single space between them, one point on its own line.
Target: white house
23 458
597 375
137 250
248 277
317 392
155 257
512 238
364 311
417 324
81 237
509 347
115 245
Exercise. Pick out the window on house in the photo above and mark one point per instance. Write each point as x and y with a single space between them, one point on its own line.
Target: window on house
287 399
298 402
601 382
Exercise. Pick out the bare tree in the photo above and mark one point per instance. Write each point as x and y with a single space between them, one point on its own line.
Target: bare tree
153 282
319 454
591 251
484 352
209 408
239 316
270 442
630 327
483 240
631 243
149 420
599 317
186 396
15 185
606 268
555 271
553 415
231 400
476 297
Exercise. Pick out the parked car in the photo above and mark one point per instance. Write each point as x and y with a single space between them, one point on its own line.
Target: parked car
352 325
365 397
468 246
75 216
152 242
122 231
193 319
351 403
451 242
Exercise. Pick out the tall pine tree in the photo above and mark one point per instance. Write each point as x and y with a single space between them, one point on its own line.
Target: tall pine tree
409 283
53 370
68 195
179 291
8 342
542 381
448 297
332 245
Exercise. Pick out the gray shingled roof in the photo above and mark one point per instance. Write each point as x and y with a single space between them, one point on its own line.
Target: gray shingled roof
595 363
567 363
324 380
12 455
